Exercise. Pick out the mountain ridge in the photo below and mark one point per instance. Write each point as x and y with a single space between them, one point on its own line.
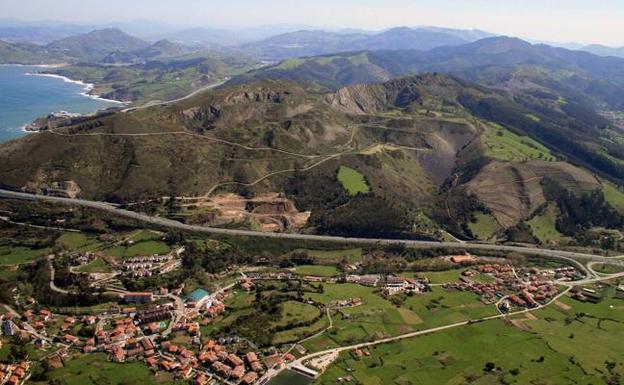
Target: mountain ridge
419 141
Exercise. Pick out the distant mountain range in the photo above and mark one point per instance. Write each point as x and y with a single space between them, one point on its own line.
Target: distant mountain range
497 61
602 50
111 46
311 43
57 42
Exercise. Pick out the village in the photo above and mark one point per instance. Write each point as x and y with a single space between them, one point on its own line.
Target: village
509 287
163 328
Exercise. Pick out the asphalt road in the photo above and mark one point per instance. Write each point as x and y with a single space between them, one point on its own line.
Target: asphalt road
306 237
168 102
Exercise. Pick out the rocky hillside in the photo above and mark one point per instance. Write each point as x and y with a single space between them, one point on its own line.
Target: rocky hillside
406 157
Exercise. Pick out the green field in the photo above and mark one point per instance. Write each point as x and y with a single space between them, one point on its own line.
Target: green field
94 369
280 327
607 269
575 345
378 317
141 248
72 241
502 144
351 255
18 255
543 226
143 235
98 265
436 277
298 334
614 195
485 226
292 312
8 273
353 181
318 270
289 64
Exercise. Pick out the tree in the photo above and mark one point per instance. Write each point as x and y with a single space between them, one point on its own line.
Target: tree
17 353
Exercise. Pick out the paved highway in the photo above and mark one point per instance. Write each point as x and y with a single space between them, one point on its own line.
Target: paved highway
307 237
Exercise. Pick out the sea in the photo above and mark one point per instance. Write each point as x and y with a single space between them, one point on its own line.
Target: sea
25 95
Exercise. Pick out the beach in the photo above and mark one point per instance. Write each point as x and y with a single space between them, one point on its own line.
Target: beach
88 87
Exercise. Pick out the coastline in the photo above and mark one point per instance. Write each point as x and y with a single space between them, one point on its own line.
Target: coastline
87 87
58 65
18 127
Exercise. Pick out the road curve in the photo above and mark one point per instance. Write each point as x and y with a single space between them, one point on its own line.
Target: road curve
53 286
168 102
113 209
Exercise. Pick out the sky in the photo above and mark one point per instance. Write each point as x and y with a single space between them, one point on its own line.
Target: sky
583 21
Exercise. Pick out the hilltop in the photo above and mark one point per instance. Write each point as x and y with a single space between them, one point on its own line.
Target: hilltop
93 46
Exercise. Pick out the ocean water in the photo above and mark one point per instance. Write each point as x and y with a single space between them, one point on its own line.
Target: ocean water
24 97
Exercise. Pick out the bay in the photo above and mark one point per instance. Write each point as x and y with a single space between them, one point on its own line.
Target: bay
25 97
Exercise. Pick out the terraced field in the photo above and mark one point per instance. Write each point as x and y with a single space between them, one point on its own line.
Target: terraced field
505 145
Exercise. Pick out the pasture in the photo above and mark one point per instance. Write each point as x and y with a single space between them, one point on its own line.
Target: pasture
353 181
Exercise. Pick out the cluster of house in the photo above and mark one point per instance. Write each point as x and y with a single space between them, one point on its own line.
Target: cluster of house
272 276
14 374
396 285
31 326
347 303
586 294
131 349
125 342
287 276
10 328
360 353
174 358
247 284
390 285
152 318
213 360
139 267
130 337
83 259
536 286
230 366
114 340
566 273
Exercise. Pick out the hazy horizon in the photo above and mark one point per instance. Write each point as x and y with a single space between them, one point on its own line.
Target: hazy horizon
575 20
